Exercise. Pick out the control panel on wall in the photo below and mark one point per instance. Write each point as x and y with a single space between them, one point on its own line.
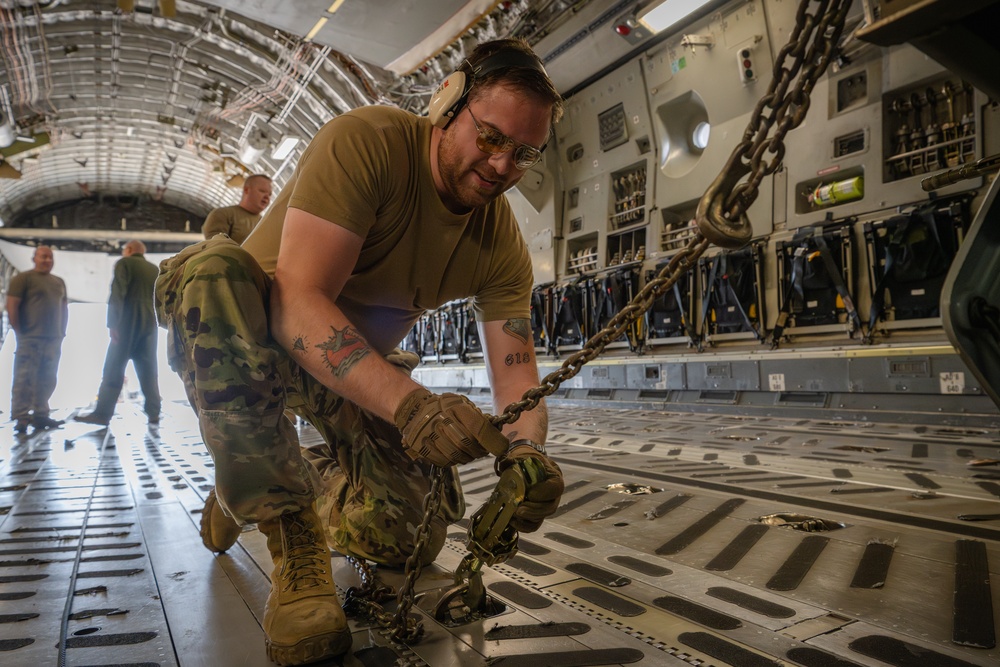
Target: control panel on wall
746 63
612 131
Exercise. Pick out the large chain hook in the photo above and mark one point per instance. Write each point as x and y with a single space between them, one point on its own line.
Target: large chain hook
712 215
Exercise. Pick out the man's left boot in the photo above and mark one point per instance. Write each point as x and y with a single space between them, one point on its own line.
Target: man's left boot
303 619
92 418
219 531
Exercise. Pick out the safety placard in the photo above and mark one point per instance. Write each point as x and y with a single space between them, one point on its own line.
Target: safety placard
953 382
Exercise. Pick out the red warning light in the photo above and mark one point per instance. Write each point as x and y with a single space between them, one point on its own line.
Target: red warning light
623 30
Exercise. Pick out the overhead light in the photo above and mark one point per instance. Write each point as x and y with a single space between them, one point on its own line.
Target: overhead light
252 148
335 6
249 154
666 13
316 28
6 135
284 147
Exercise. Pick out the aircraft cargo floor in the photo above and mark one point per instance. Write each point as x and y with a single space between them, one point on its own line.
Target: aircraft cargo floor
101 562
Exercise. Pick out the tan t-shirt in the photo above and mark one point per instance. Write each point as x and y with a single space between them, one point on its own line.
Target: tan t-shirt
42 311
234 221
369 171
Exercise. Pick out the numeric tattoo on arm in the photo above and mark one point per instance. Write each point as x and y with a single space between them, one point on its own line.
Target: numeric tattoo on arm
343 350
517 358
518 328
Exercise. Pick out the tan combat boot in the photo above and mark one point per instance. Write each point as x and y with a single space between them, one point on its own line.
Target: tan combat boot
303 620
218 530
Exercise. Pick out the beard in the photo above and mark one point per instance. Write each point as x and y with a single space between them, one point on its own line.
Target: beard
462 186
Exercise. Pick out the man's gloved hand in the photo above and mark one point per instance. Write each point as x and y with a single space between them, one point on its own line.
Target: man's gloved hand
446 429
543 489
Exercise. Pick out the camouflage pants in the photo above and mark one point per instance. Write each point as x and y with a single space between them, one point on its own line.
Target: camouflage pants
36 362
213 299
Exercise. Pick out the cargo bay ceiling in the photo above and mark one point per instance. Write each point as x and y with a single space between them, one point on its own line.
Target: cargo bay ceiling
156 110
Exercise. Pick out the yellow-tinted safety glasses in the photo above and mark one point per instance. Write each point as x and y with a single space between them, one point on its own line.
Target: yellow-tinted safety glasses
495 142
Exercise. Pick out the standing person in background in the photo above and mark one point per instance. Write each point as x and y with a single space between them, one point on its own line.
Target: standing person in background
238 221
38 311
132 326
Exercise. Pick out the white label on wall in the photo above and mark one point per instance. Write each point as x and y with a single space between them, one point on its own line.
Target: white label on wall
776 381
952 383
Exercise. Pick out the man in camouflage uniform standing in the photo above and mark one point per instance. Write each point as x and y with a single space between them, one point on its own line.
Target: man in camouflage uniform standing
38 311
132 328
386 216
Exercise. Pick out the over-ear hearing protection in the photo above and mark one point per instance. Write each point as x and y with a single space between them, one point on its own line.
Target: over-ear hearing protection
450 95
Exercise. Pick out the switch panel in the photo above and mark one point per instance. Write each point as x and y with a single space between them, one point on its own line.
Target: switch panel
745 61
611 126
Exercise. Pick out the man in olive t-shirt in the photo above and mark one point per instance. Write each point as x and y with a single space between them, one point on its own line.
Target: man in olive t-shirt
132 328
38 311
386 215
238 221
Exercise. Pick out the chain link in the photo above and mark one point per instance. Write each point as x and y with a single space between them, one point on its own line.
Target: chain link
366 601
721 214
403 629
721 219
679 264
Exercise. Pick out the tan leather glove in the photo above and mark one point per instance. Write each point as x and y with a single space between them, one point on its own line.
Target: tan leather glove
543 486
446 429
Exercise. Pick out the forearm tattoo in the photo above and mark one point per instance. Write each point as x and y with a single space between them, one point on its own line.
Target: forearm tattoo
343 350
518 328
517 358
299 344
